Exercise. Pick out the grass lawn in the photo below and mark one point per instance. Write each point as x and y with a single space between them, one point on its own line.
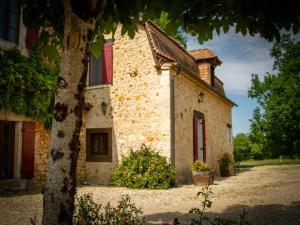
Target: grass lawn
252 163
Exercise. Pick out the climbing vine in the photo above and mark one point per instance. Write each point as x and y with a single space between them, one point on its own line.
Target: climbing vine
27 85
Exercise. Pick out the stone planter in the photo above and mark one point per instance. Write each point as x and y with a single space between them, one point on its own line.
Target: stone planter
227 171
203 178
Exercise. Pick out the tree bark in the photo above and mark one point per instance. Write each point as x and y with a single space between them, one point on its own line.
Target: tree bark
60 187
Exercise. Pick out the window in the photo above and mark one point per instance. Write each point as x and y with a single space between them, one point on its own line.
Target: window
100 71
9 20
199 149
99 145
229 126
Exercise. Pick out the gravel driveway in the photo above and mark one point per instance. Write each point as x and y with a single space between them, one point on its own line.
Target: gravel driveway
270 194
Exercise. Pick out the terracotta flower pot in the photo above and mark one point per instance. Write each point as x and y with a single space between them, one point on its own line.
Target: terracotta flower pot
228 170
203 178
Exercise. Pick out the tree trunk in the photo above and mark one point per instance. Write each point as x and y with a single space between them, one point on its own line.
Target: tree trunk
60 187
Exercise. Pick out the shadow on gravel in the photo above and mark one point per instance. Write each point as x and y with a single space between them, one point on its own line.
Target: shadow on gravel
273 214
7 193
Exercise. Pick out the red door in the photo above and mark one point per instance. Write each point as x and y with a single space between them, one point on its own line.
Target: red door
28 141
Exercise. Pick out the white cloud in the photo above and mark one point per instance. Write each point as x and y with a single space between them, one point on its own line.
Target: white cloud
236 74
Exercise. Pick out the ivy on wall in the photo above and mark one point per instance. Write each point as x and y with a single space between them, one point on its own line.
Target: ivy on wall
27 85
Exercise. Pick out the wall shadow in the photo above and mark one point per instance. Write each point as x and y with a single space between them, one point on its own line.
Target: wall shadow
7 193
272 214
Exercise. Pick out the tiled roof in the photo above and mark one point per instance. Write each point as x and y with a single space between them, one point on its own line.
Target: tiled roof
204 53
166 49
169 49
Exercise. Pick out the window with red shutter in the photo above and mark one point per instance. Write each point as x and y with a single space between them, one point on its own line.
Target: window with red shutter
100 70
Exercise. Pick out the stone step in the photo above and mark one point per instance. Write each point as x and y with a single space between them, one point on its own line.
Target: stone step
13 184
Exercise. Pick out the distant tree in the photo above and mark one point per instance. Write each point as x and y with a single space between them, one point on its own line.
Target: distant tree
276 121
163 21
241 147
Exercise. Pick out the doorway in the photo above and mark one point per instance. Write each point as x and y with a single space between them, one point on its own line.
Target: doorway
7 140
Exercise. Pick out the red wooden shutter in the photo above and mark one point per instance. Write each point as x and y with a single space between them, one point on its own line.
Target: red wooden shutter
107 63
28 142
195 138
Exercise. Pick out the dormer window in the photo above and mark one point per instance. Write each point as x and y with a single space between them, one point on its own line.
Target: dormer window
9 20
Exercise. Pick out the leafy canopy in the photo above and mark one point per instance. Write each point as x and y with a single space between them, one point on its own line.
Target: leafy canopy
163 21
198 18
276 122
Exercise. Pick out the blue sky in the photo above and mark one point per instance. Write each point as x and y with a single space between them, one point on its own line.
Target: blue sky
241 56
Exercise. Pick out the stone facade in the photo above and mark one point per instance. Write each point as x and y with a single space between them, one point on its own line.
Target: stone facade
148 103
42 142
217 114
138 104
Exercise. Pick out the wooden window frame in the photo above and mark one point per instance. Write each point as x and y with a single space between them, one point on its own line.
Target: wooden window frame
198 115
95 158
230 137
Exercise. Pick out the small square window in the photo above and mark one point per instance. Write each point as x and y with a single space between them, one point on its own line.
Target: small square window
99 145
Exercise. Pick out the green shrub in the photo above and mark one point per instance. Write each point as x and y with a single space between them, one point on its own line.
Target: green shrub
199 166
144 168
90 213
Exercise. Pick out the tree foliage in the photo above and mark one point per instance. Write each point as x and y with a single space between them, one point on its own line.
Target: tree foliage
241 147
276 122
198 18
27 85
163 21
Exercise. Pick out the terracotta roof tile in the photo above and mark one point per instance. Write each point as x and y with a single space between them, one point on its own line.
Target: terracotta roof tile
169 49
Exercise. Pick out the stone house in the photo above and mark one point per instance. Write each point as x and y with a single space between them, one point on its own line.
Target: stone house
143 90
153 91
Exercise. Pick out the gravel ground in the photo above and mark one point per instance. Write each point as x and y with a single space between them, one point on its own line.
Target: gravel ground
270 194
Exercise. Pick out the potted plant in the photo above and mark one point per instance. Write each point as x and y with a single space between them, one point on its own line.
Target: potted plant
202 174
226 164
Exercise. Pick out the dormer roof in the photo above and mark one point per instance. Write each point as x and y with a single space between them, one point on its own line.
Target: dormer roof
205 54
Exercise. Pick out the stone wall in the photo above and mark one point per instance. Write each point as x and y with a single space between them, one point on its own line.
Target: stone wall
42 141
217 114
138 104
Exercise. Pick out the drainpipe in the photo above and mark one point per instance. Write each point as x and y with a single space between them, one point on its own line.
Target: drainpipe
172 108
